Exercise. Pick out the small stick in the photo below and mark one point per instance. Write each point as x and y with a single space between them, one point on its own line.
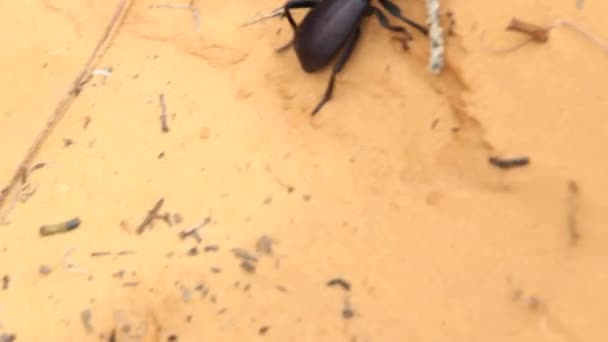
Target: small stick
49 229
572 212
152 215
193 231
541 34
339 282
163 114
538 33
507 163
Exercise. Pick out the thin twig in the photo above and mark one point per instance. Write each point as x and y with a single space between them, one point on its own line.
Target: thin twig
193 231
541 34
152 215
64 103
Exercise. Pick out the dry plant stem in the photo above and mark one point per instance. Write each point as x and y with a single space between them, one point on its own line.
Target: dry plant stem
64 103
541 34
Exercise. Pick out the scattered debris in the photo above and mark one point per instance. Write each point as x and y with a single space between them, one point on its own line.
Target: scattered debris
97 254
347 311
244 254
339 282
120 274
192 7
437 49
163 114
130 284
532 302
193 231
248 266
104 73
44 270
507 163
8 338
6 280
193 251
112 337
49 229
263 330
211 248
152 215
85 316
87 120
572 212
264 245
186 294
451 23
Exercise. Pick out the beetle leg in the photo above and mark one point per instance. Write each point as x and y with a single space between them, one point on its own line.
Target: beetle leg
342 59
297 4
294 4
395 11
386 24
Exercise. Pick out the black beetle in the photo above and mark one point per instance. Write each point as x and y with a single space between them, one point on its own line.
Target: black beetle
334 25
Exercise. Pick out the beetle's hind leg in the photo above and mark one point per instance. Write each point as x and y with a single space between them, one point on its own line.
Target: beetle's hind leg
395 11
294 4
342 59
386 24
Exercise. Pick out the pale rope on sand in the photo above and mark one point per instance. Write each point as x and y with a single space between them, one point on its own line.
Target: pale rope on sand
436 36
63 104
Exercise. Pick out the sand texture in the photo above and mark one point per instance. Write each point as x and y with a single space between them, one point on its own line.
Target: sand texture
388 188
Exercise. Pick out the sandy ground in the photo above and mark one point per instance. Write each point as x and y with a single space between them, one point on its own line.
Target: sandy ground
389 187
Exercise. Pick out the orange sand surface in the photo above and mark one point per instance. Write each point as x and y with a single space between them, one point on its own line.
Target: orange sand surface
388 187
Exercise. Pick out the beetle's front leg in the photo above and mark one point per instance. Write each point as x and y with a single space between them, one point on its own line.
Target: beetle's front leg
294 4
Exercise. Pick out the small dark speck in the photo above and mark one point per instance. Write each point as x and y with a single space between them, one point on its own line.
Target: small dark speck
161 155
281 288
434 124
135 76
455 129
211 248
246 288
193 251
248 266
188 318
67 142
212 299
216 270
172 338
45 65
5 281
348 313
263 330
221 311
268 200
44 270
306 197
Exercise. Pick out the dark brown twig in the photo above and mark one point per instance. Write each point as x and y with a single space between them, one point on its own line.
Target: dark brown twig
65 102
152 215
538 33
507 163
